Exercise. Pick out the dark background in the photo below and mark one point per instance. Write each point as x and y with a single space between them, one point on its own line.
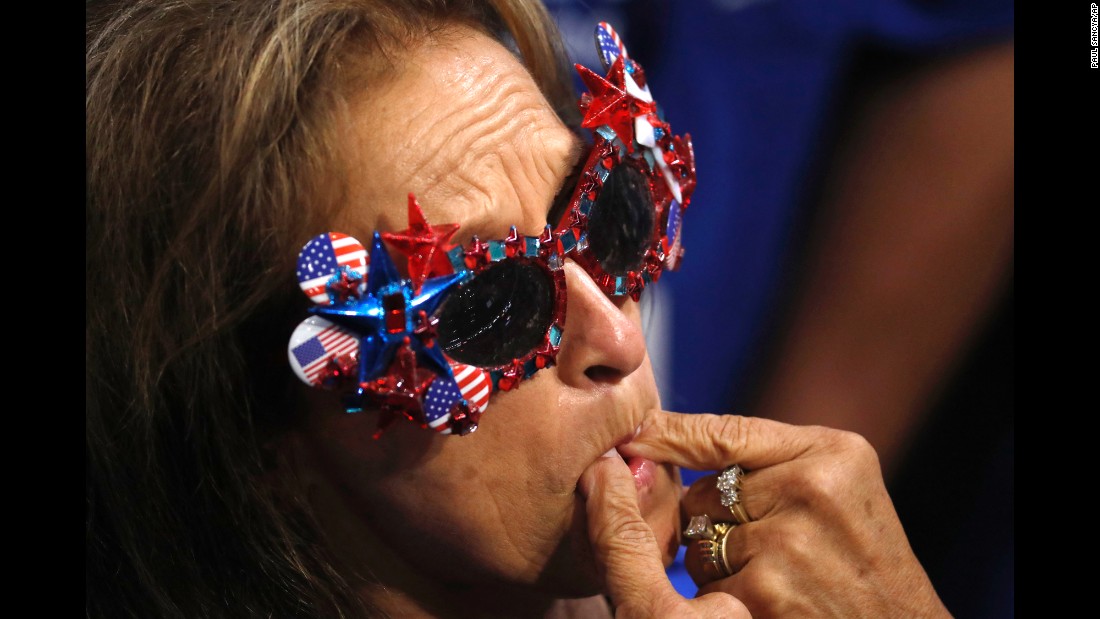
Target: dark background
767 89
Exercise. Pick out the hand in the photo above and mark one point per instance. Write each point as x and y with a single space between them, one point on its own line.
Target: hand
825 540
627 551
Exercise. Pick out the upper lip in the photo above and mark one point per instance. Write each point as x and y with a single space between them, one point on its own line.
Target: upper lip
623 439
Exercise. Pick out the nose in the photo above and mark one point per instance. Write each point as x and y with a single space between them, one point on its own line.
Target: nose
602 341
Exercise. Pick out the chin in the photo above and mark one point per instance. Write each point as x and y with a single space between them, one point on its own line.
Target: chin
571 570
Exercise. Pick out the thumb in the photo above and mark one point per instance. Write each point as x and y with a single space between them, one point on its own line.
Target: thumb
628 554
625 546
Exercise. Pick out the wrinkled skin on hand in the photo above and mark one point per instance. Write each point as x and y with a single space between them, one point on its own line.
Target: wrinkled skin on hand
825 540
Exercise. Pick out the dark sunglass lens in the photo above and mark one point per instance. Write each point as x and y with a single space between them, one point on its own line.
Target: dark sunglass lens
620 228
500 315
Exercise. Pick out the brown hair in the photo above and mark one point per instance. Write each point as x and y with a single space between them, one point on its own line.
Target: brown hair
209 156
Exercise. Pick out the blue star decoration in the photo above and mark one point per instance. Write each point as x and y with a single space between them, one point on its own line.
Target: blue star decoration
387 315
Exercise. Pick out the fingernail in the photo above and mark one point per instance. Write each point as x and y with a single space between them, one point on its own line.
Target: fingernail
612 453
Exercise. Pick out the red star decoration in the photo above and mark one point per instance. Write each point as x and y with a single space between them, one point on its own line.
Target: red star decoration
340 370
610 104
425 245
476 253
547 243
513 243
346 285
463 419
399 392
546 354
638 74
426 328
653 262
510 377
634 285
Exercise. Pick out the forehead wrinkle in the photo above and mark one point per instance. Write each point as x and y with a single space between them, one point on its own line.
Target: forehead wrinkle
500 157
475 141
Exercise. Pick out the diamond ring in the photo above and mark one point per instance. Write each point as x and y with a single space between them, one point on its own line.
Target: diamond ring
729 486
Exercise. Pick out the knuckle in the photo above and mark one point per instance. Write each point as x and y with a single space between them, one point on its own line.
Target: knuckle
734 432
817 484
762 587
799 545
723 604
855 450
651 609
850 441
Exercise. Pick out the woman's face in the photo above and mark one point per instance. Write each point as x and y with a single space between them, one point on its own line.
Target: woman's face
465 128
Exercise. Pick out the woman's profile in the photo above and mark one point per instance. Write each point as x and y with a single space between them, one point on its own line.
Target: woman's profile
363 336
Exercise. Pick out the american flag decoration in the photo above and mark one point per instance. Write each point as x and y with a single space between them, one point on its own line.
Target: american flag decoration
608 45
470 384
675 217
627 126
322 257
349 334
314 343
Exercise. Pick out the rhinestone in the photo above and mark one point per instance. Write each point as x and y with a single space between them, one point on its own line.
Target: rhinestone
700 527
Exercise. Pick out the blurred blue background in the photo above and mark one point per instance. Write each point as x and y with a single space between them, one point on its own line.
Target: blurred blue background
760 84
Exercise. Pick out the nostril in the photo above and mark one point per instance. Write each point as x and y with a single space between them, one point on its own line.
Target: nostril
603 374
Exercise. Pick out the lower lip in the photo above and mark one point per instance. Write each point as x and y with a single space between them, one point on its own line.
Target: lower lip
644 472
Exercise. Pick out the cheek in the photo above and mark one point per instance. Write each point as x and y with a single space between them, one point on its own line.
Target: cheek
493 506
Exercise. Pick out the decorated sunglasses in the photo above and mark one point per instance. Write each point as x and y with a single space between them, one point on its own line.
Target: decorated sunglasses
473 320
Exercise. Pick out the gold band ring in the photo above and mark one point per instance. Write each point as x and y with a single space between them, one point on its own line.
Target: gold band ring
708 552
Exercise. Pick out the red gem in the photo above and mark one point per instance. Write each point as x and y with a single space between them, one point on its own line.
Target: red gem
671 158
463 419
393 306
686 168
653 261
339 370
513 243
638 75
477 253
426 328
546 354
634 285
577 219
425 245
511 376
547 243
611 105
400 390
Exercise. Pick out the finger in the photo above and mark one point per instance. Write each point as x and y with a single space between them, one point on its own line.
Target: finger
624 544
702 498
627 551
705 441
